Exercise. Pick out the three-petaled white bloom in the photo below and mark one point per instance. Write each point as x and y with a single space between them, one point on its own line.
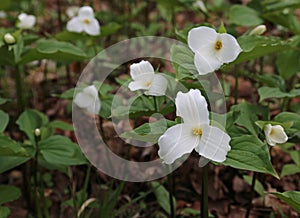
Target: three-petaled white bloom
275 134
212 49
194 133
144 78
84 22
88 99
26 21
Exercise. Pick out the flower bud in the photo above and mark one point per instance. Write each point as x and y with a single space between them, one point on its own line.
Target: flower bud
9 38
37 132
259 30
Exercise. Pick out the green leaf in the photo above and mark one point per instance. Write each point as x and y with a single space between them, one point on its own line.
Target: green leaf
149 132
109 29
9 193
271 80
54 50
30 120
4 119
183 61
162 197
58 124
5 4
257 46
4 212
59 150
275 92
9 147
137 106
294 130
258 186
288 63
67 94
292 198
279 5
244 116
290 169
249 153
244 16
3 100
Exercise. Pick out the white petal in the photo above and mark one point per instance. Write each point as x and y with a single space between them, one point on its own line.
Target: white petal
214 143
201 37
158 86
72 11
141 68
86 11
93 28
275 134
94 107
138 85
88 99
230 48
206 64
82 100
175 142
75 25
267 130
26 21
22 16
192 107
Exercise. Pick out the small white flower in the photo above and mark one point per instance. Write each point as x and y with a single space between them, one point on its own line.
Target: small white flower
9 38
2 14
84 22
88 99
194 133
72 11
26 21
144 78
212 49
275 134
259 30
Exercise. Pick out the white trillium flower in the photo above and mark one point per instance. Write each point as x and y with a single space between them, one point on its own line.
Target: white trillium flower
26 21
194 133
144 78
212 49
275 134
88 99
84 22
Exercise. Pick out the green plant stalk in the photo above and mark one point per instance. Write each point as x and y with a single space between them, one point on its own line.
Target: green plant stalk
236 86
171 191
19 90
35 180
204 196
251 195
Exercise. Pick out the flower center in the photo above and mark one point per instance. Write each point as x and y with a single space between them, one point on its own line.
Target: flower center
218 45
197 131
272 132
86 21
147 84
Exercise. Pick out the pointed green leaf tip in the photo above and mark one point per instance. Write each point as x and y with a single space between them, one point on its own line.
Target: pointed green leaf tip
222 28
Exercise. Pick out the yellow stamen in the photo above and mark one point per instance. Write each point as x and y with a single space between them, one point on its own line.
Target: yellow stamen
197 131
272 132
86 21
218 45
147 83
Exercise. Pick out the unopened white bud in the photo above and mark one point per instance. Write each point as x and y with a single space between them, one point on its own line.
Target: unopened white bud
9 38
259 30
37 132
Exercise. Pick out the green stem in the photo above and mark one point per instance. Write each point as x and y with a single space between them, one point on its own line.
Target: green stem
171 192
251 195
236 87
204 197
19 90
